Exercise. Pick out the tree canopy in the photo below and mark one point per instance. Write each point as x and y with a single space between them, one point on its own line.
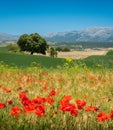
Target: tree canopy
32 43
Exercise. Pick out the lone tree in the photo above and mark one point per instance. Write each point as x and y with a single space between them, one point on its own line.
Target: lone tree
32 43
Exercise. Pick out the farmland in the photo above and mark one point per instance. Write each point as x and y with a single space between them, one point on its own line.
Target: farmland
82 54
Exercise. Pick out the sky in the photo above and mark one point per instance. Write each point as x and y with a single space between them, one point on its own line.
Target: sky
46 16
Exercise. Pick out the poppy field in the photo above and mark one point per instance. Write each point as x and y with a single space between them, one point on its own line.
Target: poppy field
74 98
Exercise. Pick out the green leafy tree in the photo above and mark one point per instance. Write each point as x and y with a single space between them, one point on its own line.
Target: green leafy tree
32 43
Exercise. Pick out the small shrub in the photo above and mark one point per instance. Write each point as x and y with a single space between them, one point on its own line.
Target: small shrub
13 47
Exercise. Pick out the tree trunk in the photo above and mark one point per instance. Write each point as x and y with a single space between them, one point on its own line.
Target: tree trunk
32 52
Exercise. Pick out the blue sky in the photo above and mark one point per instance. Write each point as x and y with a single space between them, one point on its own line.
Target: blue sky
45 16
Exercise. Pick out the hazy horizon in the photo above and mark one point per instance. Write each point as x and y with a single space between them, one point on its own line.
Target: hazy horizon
46 16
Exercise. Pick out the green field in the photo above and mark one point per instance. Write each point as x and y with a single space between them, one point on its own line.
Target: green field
99 61
25 60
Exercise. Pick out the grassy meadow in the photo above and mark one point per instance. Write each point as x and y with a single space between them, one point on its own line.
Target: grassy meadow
25 60
66 96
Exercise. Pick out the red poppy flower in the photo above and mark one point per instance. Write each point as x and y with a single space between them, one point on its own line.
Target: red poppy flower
10 102
103 116
111 114
39 100
15 111
2 105
74 112
65 100
49 100
92 108
22 95
66 106
52 93
40 111
70 108
80 104
30 107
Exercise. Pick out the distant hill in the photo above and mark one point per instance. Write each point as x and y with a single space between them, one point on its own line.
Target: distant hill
8 37
94 34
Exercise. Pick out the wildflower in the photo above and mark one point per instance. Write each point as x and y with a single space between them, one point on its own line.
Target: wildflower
66 106
80 104
10 102
15 111
30 107
92 108
69 60
2 105
111 114
74 112
6 89
49 100
22 95
52 93
40 111
103 116
44 88
39 100
65 100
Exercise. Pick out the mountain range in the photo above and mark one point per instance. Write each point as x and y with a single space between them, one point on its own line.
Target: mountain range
8 37
94 34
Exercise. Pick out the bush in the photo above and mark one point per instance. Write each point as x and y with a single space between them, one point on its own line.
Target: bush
66 49
110 52
53 52
13 47
63 49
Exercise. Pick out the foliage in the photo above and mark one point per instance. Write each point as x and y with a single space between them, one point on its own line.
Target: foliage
32 43
13 47
66 49
53 52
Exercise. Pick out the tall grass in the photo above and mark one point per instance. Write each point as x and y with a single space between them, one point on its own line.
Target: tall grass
95 87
